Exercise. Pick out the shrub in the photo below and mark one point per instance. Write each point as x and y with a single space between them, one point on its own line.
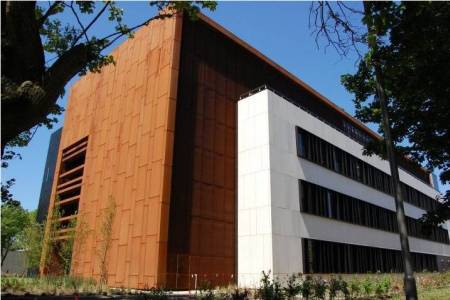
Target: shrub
337 285
270 289
205 291
319 287
240 294
293 286
355 288
383 286
306 287
334 287
367 286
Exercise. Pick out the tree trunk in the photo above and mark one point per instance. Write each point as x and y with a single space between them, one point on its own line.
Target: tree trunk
409 280
29 90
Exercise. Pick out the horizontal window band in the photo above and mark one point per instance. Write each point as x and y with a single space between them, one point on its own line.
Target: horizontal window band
332 257
324 202
323 153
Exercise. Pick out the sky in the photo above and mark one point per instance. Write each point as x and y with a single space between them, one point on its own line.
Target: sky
279 30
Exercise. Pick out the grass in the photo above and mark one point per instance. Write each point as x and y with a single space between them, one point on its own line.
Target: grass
438 293
431 286
435 293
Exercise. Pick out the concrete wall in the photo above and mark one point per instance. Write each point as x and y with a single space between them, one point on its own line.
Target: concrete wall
270 225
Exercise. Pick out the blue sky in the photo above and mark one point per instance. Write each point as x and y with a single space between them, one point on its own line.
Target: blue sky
279 30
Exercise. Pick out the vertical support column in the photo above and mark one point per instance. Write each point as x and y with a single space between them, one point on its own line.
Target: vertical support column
254 234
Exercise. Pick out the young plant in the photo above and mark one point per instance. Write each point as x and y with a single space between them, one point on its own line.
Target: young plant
270 289
354 288
367 286
205 291
320 288
49 246
383 286
106 238
31 240
240 294
334 287
293 286
306 287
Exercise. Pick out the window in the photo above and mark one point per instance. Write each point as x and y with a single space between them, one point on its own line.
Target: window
332 257
323 202
300 143
315 149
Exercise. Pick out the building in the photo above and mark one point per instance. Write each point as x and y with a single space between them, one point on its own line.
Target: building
156 137
47 179
311 202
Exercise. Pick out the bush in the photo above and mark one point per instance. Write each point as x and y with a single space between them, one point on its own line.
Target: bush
383 286
240 294
354 288
307 287
205 291
367 286
337 285
319 288
293 286
270 289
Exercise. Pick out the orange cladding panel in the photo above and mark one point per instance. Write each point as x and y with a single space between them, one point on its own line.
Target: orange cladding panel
127 112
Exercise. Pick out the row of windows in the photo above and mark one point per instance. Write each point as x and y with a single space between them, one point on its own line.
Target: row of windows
331 257
325 154
320 201
362 138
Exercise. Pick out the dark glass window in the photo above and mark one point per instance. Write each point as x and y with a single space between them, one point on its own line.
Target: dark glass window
320 201
300 143
317 150
332 257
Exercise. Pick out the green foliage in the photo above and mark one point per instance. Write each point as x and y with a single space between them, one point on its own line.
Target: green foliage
57 253
367 286
336 286
319 288
106 238
50 285
191 8
205 291
270 289
293 286
382 286
57 50
354 288
240 294
31 241
14 220
64 248
410 40
7 196
307 287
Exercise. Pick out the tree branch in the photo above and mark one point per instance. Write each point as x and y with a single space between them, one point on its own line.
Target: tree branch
335 26
50 11
119 34
67 66
79 21
90 24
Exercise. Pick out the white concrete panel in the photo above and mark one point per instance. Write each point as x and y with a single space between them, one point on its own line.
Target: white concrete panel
254 235
320 228
270 225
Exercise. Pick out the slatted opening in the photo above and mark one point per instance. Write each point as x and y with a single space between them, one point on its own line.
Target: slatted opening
68 189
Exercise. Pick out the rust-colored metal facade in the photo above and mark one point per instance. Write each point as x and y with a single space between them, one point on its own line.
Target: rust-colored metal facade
161 128
127 113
